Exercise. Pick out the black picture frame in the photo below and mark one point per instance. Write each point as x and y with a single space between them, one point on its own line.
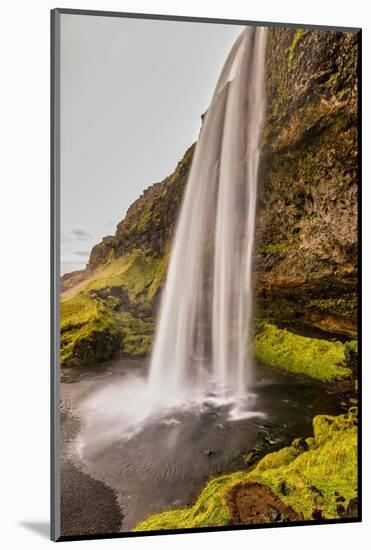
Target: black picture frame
55 268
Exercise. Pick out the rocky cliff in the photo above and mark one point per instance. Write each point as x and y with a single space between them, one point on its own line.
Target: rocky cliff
306 230
306 225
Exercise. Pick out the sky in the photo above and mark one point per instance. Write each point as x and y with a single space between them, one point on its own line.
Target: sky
132 95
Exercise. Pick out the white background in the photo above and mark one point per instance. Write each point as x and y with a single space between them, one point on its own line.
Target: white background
24 254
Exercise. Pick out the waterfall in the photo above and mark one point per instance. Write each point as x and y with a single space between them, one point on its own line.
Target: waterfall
202 331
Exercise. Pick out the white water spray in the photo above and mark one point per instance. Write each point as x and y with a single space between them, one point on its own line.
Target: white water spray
202 336
200 358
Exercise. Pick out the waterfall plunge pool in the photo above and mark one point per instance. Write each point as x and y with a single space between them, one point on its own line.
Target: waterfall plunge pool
155 459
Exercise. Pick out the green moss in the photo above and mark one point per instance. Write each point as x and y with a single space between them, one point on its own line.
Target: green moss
306 307
111 311
296 237
277 78
159 276
352 346
275 308
209 510
134 272
333 78
297 37
136 335
344 306
309 218
320 359
89 332
273 248
78 311
313 476
98 331
329 465
343 93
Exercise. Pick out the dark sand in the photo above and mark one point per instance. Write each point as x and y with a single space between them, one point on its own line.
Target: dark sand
88 506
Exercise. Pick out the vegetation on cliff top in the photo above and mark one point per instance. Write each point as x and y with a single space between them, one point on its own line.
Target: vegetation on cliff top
320 359
316 476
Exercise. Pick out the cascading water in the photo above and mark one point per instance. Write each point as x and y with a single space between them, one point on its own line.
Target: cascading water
201 341
201 344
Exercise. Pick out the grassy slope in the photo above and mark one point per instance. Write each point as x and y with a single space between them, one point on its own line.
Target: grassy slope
311 475
321 359
111 310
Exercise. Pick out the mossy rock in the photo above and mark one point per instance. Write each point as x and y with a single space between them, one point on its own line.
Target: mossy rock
97 346
111 311
306 219
308 480
320 359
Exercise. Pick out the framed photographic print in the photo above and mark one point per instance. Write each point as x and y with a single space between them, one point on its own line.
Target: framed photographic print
205 274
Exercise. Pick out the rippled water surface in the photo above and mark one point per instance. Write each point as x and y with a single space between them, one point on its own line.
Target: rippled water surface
155 458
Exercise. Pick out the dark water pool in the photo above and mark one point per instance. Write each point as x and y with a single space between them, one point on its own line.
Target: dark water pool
166 462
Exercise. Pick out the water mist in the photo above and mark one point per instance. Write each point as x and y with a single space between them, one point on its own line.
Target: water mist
200 356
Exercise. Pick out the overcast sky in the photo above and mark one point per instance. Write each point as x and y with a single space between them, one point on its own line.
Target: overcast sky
132 95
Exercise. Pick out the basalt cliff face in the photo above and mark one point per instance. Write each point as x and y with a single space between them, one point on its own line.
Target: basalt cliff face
306 224
306 230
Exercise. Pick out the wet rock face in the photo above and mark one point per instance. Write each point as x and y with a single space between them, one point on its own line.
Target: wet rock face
306 227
